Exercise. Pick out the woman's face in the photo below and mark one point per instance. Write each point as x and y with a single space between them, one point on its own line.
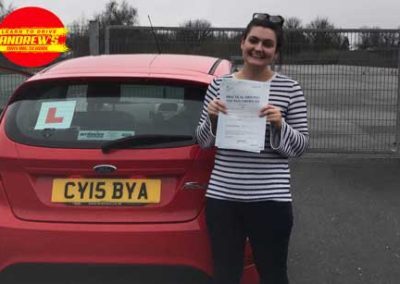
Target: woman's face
259 47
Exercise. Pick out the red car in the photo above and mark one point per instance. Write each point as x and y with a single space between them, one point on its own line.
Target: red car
98 164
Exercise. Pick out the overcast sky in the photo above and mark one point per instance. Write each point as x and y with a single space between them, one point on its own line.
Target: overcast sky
234 13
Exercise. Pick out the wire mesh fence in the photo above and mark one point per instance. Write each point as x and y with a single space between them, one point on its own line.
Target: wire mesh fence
350 77
8 83
351 108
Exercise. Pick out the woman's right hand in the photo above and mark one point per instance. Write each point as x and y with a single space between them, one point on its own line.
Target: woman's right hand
215 107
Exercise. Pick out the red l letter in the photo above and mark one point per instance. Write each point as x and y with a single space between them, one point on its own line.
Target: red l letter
51 116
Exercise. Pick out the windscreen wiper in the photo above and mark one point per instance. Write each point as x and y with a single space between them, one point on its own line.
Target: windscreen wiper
143 140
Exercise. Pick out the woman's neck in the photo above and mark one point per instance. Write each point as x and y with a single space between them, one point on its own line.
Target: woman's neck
256 74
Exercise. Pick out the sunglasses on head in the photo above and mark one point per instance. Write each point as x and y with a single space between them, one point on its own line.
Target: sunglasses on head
274 19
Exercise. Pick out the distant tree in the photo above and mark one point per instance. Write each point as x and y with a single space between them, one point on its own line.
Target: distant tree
4 10
292 23
323 37
117 14
295 39
321 24
374 38
198 30
193 33
391 39
196 24
345 44
78 37
79 26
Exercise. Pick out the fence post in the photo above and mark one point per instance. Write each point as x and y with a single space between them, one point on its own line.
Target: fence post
94 37
398 101
107 40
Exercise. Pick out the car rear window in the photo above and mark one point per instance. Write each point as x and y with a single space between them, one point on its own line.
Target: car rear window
85 115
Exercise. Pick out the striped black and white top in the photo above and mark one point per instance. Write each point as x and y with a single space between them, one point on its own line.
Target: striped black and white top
246 176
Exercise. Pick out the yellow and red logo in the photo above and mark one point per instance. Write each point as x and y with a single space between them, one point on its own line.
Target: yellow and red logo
32 37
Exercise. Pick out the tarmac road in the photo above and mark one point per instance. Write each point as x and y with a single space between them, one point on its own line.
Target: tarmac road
347 230
347 221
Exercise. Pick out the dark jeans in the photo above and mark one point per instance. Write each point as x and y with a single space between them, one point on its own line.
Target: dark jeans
267 224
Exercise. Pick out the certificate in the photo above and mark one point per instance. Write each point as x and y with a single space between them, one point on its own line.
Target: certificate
242 128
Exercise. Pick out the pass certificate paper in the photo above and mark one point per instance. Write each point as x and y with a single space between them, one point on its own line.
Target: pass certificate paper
242 128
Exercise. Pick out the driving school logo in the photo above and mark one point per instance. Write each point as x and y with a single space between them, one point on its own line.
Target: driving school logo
32 37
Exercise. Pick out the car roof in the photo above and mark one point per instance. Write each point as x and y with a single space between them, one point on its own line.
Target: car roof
173 66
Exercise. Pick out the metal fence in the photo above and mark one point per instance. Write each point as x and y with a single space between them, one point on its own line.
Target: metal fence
8 83
350 77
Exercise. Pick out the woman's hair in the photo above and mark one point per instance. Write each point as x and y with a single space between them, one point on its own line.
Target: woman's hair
277 28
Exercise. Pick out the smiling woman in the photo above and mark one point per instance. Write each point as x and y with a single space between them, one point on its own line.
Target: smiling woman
248 195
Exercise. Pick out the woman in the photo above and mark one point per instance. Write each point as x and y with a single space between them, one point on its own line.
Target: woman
249 193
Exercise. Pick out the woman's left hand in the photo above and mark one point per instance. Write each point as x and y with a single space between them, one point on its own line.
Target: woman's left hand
273 114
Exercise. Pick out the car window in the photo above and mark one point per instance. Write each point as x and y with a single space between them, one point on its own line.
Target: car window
85 115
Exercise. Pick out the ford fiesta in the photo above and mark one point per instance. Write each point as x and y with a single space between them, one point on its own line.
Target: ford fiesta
99 166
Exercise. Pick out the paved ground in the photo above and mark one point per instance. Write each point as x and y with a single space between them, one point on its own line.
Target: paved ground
347 221
347 229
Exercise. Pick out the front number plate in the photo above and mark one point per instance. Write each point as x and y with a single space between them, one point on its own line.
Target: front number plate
113 191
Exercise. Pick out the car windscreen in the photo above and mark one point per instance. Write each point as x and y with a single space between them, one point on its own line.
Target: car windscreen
87 115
